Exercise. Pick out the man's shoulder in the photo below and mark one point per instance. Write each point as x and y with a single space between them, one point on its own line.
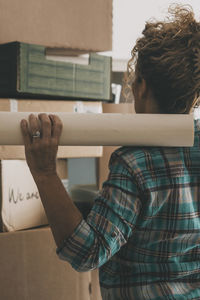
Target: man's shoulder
137 159
145 162
137 154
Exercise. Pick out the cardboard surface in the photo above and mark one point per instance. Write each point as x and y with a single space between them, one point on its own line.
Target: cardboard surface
96 293
36 105
122 108
30 269
76 24
21 206
29 72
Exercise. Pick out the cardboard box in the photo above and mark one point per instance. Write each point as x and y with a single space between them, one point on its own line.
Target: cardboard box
30 270
25 71
84 25
24 105
107 150
20 202
95 290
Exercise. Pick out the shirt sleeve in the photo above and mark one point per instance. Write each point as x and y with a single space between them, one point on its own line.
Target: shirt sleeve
109 224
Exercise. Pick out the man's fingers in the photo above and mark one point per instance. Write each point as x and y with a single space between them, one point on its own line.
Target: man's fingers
56 127
25 132
49 126
45 125
34 124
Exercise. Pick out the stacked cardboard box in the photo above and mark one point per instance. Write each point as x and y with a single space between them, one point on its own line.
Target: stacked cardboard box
21 207
41 27
32 211
78 26
30 270
64 27
29 73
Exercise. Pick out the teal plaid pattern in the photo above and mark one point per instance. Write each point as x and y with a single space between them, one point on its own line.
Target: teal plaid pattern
143 232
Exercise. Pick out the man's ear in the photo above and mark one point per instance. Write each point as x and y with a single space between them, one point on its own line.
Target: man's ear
142 88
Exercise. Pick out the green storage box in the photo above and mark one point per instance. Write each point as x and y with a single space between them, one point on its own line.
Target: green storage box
25 71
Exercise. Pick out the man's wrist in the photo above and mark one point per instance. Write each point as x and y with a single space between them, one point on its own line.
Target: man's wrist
43 176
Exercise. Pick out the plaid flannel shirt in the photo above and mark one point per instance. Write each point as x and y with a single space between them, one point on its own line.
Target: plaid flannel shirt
143 232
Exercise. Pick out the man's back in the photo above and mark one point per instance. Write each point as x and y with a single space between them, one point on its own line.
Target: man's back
161 259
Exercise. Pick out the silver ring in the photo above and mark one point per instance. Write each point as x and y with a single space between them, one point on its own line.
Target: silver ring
36 135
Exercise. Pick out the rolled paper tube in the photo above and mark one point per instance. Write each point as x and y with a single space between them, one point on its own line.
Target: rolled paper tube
167 130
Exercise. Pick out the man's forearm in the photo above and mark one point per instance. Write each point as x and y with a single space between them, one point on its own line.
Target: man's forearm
62 214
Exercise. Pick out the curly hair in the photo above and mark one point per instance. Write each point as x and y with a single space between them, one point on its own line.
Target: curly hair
167 56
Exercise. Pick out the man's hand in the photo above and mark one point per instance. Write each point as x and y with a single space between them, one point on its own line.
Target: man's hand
41 138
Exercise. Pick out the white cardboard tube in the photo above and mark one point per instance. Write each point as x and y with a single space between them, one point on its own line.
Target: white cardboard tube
168 130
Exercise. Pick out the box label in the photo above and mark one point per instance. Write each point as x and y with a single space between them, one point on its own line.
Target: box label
13 105
21 204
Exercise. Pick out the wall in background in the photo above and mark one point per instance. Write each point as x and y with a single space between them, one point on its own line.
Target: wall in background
129 17
82 171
